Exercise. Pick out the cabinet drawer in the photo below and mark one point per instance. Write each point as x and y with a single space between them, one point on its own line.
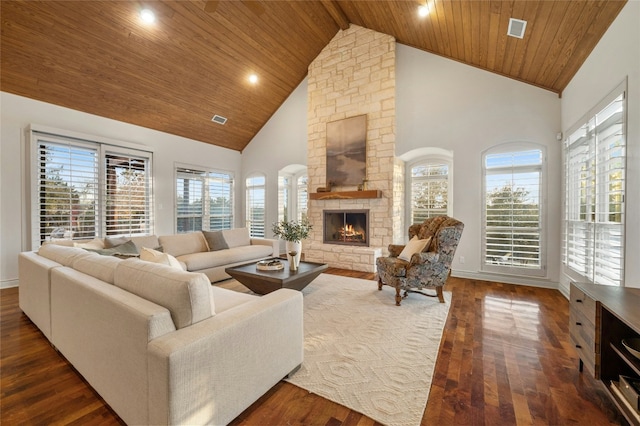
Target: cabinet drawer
583 337
581 302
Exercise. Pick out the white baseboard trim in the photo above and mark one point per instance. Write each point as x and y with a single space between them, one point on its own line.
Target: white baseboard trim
8 284
508 279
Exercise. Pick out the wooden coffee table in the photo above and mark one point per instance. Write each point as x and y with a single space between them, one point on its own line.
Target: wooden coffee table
263 282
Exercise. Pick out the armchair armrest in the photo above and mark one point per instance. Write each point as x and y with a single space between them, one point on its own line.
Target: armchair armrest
275 244
395 249
425 257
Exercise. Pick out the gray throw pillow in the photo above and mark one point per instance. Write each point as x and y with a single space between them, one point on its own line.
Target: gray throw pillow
115 242
125 250
215 240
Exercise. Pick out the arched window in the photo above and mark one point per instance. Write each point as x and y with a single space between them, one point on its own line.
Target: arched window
255 206
429 189
292 192
513 228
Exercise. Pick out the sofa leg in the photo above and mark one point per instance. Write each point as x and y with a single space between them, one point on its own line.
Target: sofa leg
379 283
398 297
440 294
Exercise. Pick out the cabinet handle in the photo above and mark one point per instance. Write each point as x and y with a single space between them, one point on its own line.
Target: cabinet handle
578 346
578 323
579 300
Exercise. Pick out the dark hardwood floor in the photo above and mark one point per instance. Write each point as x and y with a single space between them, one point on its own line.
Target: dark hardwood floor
505 358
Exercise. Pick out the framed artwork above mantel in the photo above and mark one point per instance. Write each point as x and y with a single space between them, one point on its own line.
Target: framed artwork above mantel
347 152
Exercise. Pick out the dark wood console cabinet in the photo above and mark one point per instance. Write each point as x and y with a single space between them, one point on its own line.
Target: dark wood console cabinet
600 317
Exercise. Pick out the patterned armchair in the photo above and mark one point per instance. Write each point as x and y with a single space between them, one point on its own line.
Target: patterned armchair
429 268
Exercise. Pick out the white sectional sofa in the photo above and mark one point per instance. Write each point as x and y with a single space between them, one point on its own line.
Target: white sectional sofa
159 344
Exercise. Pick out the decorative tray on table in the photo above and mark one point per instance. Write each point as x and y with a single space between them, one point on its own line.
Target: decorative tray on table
269 265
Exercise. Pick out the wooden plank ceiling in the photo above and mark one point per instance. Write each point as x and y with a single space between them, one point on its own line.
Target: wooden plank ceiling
194 61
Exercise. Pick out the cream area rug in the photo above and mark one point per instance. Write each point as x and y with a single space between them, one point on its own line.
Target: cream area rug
367 354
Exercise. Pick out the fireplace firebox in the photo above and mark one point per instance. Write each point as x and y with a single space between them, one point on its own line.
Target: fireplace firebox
350 227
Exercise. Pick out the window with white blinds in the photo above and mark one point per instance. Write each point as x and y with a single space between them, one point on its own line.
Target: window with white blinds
203 200
284 188
255 208
429 185
128 193
512 232
303 196
85 189
594 194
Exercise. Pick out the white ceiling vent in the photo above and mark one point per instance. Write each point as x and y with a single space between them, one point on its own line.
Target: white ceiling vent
219 119
516 28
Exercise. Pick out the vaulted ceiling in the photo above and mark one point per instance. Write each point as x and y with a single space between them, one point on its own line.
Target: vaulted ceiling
195 60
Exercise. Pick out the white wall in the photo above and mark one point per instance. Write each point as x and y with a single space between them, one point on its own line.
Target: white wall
616 57
281 142
18 112
445 104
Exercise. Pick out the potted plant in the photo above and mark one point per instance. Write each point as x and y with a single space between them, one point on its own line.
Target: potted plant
293 232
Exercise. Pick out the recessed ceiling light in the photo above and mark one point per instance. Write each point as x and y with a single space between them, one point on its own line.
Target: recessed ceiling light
147 16
253 79
423 10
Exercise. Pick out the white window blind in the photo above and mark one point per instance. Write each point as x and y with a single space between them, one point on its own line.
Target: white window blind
284 188
190 185
255 208
67 190
128 197
594 196
302 198
429 191
513 212
84 189
203 200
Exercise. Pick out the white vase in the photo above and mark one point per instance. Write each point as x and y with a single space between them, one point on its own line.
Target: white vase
291 247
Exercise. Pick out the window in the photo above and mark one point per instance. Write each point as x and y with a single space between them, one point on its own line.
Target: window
86 189
203 200
292 193
512 232
429 186
255 213
594 162
303 195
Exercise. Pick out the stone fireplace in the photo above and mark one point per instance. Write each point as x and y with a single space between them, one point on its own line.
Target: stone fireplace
355 75
348 227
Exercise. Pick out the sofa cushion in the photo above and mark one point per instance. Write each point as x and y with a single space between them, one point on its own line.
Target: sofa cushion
150 255
100 267
226 299
62 254
237 237
199 261
215 240
149 241
179 244
185 294
95 244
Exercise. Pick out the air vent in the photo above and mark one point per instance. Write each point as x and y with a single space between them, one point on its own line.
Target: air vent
516 28
219 119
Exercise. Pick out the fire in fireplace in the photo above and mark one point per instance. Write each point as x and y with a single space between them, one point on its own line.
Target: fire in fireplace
349 227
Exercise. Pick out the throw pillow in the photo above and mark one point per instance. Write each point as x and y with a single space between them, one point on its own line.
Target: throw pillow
151 255
127 249
114 242
414 246
215 240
